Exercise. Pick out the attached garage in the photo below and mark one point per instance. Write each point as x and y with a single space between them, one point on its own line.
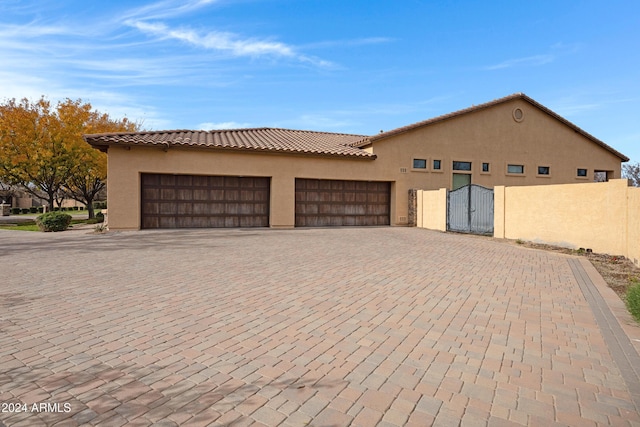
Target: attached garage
195 201
322 203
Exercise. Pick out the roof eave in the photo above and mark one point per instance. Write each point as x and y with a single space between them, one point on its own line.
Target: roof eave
104 146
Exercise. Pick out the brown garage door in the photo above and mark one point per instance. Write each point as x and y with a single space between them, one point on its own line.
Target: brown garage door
192 201
334 203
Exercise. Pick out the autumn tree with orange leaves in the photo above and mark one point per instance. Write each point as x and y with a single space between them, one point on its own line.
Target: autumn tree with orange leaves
42 150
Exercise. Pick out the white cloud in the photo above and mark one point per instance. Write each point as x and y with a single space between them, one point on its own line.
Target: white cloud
166 9
216 40
230 43
529 61
348 43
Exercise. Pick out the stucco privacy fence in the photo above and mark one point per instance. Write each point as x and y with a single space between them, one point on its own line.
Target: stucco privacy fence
604 217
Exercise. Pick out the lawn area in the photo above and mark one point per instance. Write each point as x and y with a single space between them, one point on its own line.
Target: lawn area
21 227
31 225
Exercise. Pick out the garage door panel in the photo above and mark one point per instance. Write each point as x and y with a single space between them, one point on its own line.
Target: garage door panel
246 195
231 181
231 209
184 180
167 194
185 208
216 181
231 195
168 208
167 180
231 222
200 194
167 222
184 222
246 208
152 208
341 203
150 193
261 196
215 195
200 181
337 210
184 194
350 221
190 201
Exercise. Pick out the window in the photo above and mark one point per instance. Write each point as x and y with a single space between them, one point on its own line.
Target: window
582 172
485 167
461 166
543 170
519 169
437 165
419 163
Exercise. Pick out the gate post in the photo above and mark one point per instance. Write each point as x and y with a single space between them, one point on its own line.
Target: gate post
413 207
499 201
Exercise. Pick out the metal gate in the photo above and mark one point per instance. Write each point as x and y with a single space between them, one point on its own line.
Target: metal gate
470 210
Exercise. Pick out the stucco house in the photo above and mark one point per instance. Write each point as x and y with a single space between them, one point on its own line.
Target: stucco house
269 177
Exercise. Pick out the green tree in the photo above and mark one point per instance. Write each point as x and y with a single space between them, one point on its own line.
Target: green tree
89 176
42 150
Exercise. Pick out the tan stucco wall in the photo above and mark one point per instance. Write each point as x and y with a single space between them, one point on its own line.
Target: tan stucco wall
22 202
633 221
604 217
431 211
126 166
493 136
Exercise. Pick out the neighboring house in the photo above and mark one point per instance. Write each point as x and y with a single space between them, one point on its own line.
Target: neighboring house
286 178
14 196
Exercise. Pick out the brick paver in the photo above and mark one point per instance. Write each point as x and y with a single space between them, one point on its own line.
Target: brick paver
327 327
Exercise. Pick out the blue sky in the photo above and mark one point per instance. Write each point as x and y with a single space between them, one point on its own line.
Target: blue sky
347 66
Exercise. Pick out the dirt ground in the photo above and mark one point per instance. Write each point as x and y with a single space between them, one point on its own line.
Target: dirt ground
616 270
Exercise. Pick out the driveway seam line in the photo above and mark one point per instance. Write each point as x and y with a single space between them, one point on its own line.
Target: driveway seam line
620 347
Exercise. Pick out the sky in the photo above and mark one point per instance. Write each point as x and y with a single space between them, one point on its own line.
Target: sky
348 66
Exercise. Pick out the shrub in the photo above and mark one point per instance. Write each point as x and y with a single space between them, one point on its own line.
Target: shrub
25 210
40 209
100 228
15 211
33 209
53 221
100 217
633 300
75 208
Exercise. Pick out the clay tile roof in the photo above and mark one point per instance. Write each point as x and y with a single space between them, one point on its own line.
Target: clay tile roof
258 139
368 140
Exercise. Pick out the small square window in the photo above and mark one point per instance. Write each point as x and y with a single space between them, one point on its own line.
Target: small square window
582 172
437 165
485 167
543 170
519 169
419 163
461 166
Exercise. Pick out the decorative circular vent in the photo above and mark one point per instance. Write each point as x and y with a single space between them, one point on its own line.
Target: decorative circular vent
518 115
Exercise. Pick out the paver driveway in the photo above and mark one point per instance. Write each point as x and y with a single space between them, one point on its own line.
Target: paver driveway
327 327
